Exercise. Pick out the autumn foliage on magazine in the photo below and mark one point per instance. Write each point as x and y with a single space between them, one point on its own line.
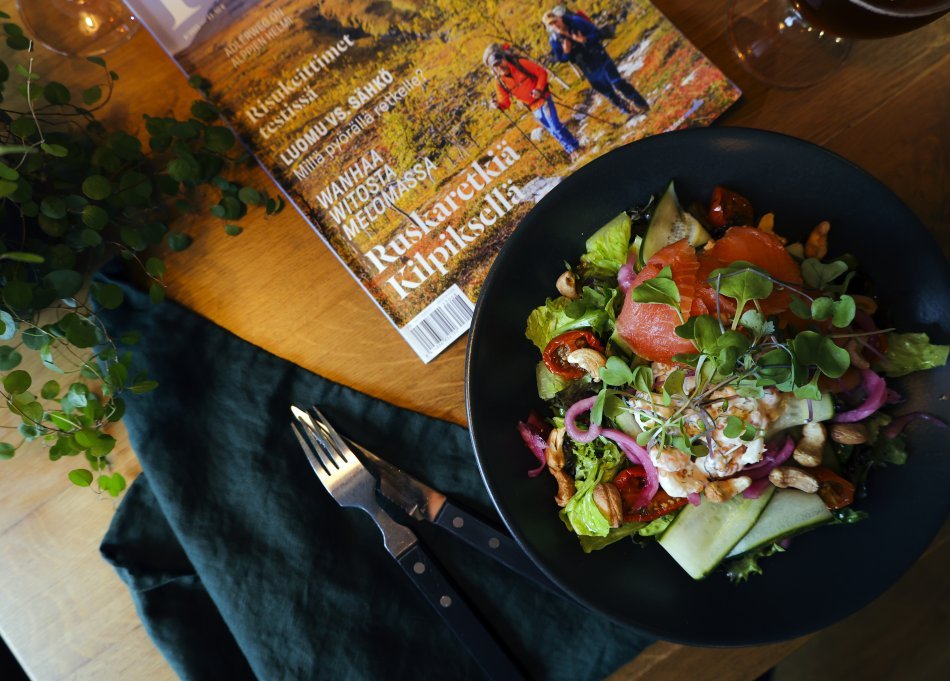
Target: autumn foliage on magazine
414 136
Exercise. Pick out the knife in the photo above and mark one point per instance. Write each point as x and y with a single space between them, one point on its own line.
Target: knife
424 503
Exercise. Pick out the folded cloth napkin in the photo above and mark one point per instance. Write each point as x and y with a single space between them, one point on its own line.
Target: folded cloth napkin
242 566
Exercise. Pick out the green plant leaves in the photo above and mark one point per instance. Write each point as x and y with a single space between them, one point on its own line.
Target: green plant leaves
17 382
9 358
616 372
80 477
660 289
65 283
97 187
814 349
818 275
8 325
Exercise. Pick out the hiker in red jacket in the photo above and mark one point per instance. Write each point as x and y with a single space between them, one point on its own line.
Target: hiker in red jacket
527 82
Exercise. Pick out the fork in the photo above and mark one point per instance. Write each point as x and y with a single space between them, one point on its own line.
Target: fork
351 485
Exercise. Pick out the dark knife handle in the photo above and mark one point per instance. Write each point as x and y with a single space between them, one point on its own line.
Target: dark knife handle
456 613
494 543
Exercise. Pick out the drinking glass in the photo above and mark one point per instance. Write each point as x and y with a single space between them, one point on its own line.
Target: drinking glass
78 27
797 43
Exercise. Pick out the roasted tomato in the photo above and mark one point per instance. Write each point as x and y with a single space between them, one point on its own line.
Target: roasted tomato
834 490
729 209
630 481
556 352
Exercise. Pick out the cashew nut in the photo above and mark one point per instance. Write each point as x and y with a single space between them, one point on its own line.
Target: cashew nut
554 454
787 476
817 244
607 499
767 224
565 487
589 360
567 285
810 448
850 433
719 491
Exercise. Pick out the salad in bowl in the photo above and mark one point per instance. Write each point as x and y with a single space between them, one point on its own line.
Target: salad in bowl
712 387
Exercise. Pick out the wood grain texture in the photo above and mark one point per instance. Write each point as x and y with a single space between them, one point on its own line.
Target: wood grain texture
67 616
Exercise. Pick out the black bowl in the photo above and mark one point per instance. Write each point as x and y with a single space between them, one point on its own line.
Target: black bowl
827 574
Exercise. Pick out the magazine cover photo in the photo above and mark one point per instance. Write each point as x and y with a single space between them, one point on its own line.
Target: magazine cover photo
414 135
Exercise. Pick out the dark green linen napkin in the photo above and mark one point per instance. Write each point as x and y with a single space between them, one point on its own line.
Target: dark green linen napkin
242 566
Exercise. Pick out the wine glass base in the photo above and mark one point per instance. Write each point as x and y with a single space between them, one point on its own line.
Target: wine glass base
82 28
777 46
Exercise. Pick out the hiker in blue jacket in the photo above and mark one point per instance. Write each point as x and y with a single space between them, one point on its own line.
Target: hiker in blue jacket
574 38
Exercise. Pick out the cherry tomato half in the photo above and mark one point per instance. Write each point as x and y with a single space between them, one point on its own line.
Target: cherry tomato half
729 209
556 352
834 490
630 481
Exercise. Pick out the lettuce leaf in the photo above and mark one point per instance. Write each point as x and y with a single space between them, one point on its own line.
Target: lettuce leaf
589 544
581 513
559 315
607 248
910 352
593 462
549 383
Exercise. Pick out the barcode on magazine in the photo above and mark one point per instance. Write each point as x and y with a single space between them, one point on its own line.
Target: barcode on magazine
445 319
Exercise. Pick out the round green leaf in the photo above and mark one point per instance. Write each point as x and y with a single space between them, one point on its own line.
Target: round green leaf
17 382
57 150
156 293
9 358
7 450
49 390
34 338
249 195
233 230
7 325
18 294
219 138
56 93
7 188
155 267
18 42
108 296
80 477
53 207
95 217
24 126
96 187
90 237
178 241
91 95
65 283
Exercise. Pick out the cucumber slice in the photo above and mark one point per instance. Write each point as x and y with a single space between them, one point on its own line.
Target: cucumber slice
789 512
796 413
701 536
669 224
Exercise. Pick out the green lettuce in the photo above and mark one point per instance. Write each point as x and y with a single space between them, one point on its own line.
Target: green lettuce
593 462
559 315
909 352
658 525
589 544
549 383
607 248
581 513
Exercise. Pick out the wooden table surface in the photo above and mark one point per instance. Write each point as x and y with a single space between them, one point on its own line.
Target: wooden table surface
62 609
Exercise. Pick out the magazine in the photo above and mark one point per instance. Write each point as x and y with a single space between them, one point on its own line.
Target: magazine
414 135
